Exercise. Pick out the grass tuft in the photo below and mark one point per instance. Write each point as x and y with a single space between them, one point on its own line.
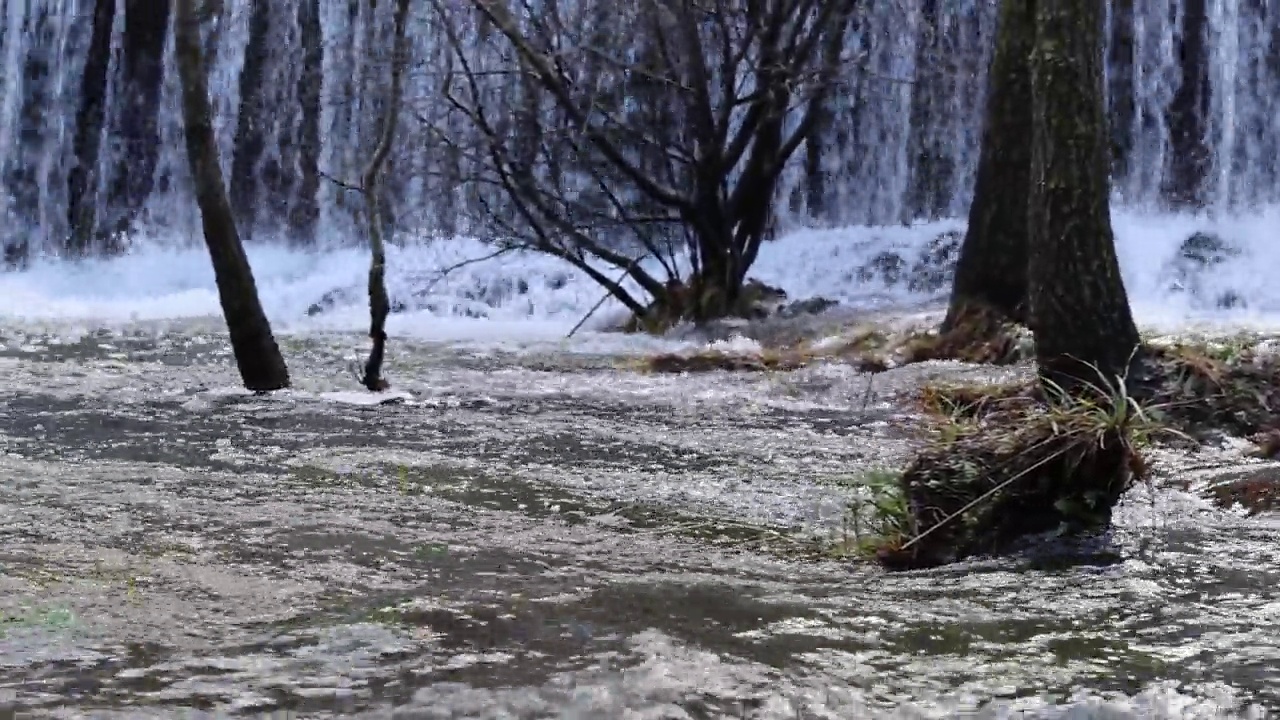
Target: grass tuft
999 469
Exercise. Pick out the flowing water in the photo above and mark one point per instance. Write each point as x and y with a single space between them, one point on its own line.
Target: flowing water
875 136
545 532
535 529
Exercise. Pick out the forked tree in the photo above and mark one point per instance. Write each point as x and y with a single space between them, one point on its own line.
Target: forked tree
1079 308
257 356
611 133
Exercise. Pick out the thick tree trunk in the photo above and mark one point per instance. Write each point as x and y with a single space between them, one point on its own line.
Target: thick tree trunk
82 180
1080 311
991 272
146 25
1188 113
257 355
379 304
305 214
251 121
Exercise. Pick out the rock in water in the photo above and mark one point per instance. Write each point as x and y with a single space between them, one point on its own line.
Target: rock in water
937 263
1197 254
887 267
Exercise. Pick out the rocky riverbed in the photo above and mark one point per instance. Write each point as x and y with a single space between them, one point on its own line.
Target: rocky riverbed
548 532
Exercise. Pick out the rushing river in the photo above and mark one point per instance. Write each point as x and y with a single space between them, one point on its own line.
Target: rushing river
546 534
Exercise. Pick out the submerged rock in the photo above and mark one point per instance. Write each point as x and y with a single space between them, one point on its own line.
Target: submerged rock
1196 255
936 265
930 272
887 267
1257 491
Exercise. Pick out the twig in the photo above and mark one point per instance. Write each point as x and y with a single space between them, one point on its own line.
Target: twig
340 183
604 297
445 272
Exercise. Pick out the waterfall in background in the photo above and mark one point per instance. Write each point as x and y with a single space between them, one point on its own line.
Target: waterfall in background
899 142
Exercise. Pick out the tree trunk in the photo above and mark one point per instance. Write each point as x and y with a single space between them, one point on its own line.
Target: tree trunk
1189 157
379 304
82 180
250 138
1083 327
146 25
306 210
257 355
991 271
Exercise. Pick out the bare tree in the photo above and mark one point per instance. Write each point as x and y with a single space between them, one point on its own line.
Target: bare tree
611 134
379 303
257 355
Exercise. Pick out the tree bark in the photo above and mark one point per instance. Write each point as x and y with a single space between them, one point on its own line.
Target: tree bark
379 303
250 138
1190 159
146 25
257 355
305 214
1083 326
991 272
82 180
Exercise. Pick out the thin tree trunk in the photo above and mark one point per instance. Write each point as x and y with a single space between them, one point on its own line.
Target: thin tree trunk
306 210
991 271
1083 325
379 304
146 25
91 115
257 355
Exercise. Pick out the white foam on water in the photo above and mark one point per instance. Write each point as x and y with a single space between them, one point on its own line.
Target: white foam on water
523 297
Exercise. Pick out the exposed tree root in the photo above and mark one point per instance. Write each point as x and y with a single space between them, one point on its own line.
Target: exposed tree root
979 335
694 301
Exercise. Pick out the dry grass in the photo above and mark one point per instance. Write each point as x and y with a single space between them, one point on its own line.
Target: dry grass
977 401
712 360
1205 388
